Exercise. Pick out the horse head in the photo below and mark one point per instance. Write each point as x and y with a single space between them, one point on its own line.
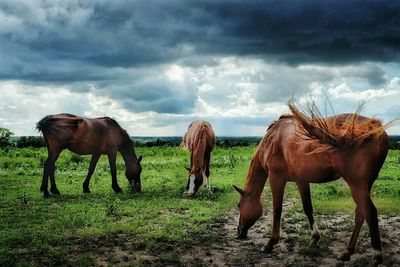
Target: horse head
250 210
133 175
195 180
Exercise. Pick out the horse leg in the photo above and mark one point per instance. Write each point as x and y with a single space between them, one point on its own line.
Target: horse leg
45 179
277 188
52 168
49 168
92 166
304 189
111 159
358 223
350 248
368 211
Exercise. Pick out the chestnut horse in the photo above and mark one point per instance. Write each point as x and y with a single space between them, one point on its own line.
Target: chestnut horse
88 136
200 140
305 148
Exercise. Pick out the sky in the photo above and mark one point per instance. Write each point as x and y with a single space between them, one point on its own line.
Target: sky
155 66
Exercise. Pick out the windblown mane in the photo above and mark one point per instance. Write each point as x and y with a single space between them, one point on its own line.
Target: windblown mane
344 132
59 126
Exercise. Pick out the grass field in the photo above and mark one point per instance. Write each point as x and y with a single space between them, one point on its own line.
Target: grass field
61 230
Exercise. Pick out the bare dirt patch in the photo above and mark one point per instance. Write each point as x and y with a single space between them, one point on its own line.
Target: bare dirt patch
293 248
220 247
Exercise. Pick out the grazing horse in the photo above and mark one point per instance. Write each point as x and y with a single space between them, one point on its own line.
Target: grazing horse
88 136
200 140
305 148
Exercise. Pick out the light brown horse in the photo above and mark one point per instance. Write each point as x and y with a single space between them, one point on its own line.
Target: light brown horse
88 136
200 140
305 148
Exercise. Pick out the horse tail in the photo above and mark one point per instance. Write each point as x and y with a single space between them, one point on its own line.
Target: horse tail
343 132
200 147
59 126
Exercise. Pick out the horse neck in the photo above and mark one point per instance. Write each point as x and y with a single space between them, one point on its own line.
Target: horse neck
256 177
128 154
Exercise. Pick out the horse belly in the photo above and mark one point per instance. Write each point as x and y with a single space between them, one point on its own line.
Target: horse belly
313 173
84 148
313 168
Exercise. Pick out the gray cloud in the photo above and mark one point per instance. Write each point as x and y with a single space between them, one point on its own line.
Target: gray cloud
126 34
275 49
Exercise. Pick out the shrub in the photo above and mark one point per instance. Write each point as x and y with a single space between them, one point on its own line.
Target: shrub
5 135
31 141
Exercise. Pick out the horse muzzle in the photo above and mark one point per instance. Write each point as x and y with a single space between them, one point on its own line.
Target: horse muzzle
188 195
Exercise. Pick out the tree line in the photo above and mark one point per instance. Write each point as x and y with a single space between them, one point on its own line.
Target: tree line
6 140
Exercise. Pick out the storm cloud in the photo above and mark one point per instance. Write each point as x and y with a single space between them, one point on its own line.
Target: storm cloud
173 61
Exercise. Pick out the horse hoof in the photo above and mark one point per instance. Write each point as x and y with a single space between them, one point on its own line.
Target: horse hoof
117 190
265 250
46 194
376 260
86 191
136 188
55 191
345 256
314 244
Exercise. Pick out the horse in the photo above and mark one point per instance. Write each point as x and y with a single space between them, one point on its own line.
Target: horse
85 136
306 148
200 141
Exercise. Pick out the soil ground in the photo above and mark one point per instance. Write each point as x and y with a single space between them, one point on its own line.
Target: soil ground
220 247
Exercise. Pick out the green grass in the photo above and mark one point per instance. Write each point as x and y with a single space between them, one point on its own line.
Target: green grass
38 231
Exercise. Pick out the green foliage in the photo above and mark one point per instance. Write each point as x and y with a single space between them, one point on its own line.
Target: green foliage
30 141
75 158
394 142
5 135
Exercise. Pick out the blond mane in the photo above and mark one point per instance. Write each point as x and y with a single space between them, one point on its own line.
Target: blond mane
344 132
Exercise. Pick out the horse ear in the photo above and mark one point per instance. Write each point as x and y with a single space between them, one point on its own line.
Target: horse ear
187 168
241 191
140 159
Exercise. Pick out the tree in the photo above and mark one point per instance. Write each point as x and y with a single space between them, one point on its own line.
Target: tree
30 141
5 137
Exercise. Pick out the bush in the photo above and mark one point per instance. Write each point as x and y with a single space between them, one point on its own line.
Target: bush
31 141
5 135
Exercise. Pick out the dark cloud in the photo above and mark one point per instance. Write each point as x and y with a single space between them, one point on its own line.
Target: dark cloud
127 34
120 48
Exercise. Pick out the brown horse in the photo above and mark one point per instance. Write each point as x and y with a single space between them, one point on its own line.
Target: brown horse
305 148
200 140
88 136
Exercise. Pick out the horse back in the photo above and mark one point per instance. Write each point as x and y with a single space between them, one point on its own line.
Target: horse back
287 152
196 131
99 135
82 135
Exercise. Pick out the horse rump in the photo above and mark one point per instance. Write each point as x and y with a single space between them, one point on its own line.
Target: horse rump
59 125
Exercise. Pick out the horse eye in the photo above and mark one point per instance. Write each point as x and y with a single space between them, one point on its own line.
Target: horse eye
238 205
